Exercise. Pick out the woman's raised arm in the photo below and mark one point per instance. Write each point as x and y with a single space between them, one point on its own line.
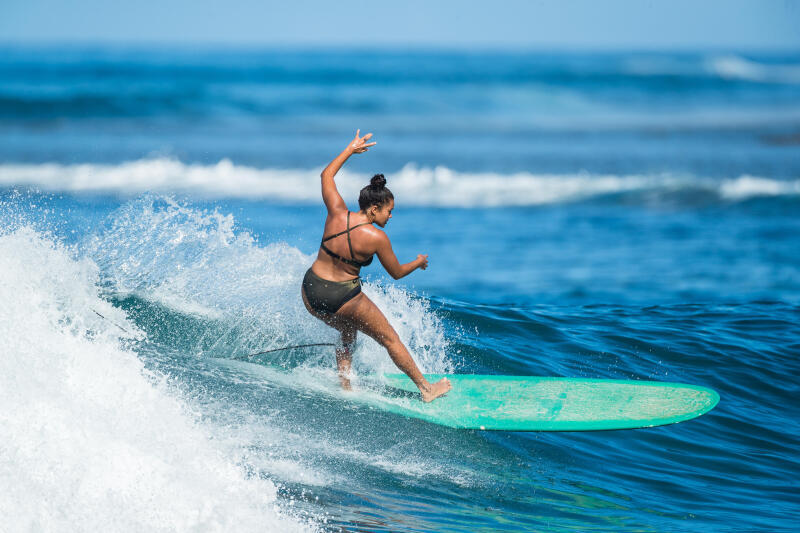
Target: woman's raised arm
330 195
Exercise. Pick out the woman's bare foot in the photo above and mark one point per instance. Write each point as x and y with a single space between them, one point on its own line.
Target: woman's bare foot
344 380
435 390
343 360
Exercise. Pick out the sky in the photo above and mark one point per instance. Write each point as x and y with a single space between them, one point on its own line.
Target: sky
526 24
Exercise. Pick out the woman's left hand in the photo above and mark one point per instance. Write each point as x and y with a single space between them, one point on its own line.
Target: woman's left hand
359 145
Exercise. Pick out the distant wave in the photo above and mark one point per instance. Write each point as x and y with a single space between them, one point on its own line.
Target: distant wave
93 84
725 67
735 67
439 186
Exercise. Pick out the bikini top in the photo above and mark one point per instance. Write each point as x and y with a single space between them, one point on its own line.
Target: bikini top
353 261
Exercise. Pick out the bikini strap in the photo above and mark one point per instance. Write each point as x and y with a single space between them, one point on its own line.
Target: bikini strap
349 242
355 262
348 230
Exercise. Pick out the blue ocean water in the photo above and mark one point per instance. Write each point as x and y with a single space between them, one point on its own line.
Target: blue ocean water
605 215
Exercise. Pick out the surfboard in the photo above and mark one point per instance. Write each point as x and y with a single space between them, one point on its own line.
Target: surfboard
516 403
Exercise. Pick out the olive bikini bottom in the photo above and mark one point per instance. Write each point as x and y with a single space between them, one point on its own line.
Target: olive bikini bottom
329 296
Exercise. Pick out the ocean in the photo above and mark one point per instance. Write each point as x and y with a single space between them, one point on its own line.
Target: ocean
626 215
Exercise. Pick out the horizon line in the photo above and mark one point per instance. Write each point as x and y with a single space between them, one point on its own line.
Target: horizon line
384 47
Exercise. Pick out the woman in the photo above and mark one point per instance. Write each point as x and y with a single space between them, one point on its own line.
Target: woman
331 287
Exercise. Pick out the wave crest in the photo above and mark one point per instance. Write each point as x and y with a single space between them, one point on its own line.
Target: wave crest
739 68
420 186
91 440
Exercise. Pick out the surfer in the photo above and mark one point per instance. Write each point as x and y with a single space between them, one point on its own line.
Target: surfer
332 287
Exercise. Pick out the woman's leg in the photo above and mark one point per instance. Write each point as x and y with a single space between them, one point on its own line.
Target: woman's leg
365 315
344 351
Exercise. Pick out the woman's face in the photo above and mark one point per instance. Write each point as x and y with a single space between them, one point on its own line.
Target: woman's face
383 213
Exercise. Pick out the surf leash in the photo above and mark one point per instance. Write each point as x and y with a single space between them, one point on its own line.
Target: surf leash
242 357
104 318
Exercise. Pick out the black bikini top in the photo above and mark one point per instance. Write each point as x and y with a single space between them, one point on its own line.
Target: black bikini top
353 261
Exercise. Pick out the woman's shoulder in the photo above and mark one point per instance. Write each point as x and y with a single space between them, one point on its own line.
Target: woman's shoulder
375 236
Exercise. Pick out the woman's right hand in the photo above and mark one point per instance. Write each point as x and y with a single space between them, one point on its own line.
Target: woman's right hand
359 145
423 261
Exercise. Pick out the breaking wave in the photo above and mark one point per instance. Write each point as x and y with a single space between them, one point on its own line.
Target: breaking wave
421 186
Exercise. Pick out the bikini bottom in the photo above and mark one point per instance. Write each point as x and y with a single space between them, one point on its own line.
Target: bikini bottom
329 296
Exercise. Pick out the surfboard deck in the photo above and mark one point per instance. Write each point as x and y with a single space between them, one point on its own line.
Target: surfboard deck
516 403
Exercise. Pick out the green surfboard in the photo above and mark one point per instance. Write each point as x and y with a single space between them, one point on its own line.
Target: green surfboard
514 403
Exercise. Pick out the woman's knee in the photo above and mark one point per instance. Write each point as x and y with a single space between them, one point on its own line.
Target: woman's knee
349 335
347 341
390 339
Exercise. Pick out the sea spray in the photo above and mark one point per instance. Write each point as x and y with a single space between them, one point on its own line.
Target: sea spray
241 296
91 440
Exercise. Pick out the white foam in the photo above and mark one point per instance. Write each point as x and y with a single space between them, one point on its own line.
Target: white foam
91 441
412 185
750 186
727 66
735 67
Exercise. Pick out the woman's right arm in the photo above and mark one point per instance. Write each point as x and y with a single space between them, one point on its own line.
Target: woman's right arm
330 194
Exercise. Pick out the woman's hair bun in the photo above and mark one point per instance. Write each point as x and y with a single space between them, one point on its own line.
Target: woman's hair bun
375 193
377 182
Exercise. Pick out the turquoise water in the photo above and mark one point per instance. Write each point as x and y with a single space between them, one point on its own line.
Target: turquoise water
613 216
